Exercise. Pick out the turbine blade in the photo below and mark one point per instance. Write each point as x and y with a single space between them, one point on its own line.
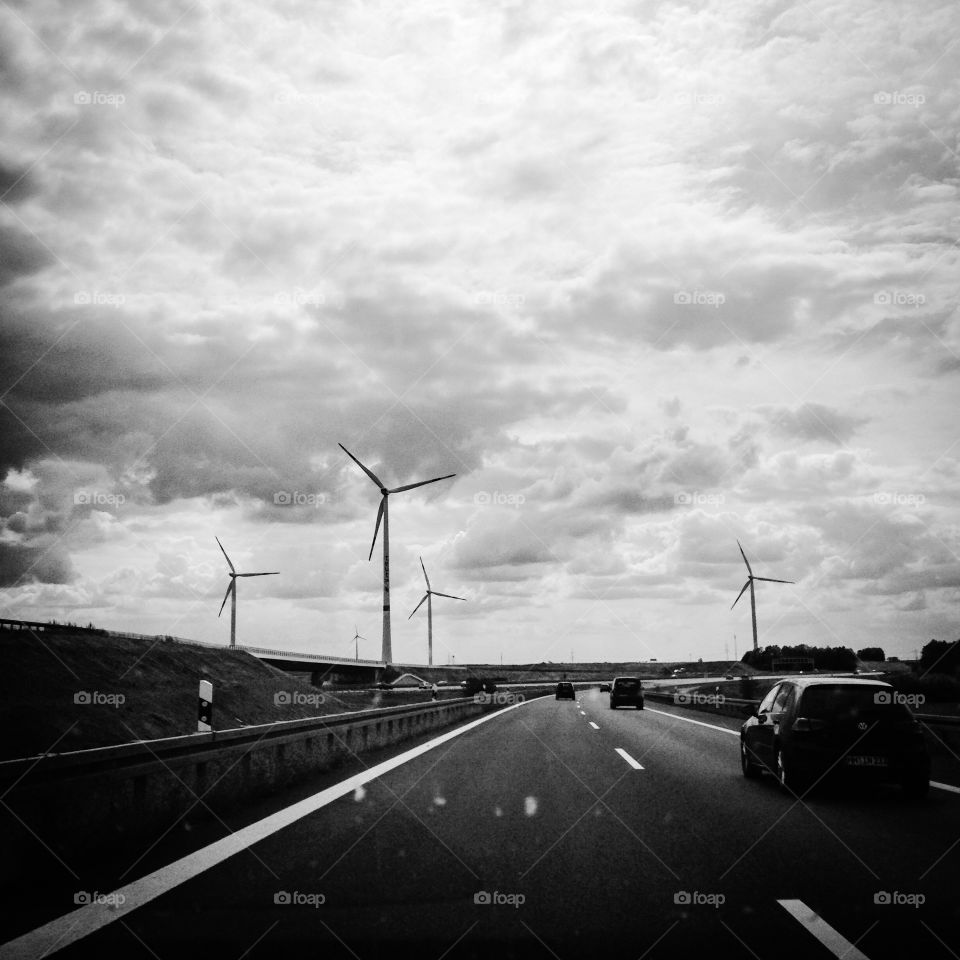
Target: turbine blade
232 570
745 560
270 573
740 594
376 529
369 473
410 486
232 586
448 595
771 580
425 577
418 606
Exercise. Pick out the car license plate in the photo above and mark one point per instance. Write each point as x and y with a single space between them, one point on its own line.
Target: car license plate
866 761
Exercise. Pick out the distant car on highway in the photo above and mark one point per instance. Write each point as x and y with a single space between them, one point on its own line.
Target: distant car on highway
565 691
604 687
805 729
626 692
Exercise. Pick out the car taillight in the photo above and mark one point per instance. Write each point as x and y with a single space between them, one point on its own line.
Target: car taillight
808 724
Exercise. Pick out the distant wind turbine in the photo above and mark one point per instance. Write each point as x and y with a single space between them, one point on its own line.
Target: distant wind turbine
383 514
428 596
356 646
232 592
753 599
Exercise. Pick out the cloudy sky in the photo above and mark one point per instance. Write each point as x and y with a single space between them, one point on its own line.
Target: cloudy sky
649 278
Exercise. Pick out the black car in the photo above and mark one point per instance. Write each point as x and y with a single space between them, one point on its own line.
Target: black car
605 687
565 691
808 728
626 692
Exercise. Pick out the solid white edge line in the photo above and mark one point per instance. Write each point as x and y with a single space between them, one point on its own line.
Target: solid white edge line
835 942
88 919
592 724
626 756
663 713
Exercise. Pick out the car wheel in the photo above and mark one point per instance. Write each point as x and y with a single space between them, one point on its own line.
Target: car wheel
916 785
750 770
789 780
639 706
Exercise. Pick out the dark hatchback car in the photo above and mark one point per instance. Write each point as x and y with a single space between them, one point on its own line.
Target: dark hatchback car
565 691
809 728
626 692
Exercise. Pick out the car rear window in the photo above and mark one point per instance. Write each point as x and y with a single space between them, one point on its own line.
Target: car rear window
628 682
839 702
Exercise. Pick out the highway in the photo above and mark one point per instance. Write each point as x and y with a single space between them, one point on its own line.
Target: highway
552 829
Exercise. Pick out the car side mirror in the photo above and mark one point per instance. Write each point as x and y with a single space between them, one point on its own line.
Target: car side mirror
761 717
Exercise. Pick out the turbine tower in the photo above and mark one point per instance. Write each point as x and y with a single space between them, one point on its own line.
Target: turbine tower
428 596
753 598
383 514
232 592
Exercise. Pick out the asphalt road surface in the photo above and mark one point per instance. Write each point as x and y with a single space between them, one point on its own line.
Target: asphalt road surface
554 829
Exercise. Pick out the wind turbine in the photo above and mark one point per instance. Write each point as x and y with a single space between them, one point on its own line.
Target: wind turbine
383 514
428 596
356 646
232 590
753 598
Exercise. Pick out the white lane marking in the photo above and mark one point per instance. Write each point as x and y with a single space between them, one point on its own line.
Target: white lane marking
945 786
736 733
582 713
592 724
837 944
88 919
699 723
626 756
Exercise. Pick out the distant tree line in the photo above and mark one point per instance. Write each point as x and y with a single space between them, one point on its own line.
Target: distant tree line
824 658
940 656
874 654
